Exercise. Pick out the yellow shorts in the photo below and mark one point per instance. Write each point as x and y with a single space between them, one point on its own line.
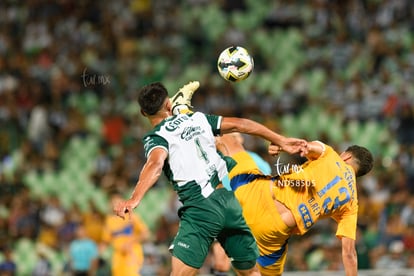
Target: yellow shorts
266 224
255 193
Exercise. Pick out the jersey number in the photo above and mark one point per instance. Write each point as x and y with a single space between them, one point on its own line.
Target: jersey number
201 152
337 202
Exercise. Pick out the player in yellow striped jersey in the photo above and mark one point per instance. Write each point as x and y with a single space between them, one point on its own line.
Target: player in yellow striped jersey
276 207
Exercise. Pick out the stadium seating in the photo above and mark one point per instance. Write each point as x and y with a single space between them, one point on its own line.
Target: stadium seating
176 44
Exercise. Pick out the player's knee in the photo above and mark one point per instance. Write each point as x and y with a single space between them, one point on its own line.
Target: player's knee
243 265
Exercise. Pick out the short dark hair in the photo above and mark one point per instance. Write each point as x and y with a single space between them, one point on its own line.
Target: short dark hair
363 158
151 97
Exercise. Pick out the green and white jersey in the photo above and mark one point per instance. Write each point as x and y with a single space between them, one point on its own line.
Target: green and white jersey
193 165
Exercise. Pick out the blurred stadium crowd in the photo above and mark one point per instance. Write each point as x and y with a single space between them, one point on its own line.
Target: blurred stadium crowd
338 71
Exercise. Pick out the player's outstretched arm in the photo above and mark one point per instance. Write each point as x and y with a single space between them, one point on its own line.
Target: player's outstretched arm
148 177
312 150
247 126
349 256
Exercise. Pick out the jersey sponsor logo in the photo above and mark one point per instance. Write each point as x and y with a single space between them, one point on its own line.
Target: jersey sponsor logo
175 123
306 216
190 132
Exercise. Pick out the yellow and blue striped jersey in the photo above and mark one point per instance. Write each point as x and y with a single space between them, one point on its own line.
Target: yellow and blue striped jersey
325 187
320 188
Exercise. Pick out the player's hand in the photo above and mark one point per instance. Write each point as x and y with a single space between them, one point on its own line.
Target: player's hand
304 151
123 208
274 149
289 145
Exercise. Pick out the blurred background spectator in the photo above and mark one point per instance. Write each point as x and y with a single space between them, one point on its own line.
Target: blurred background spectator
83 254
125 238
8 266
70 129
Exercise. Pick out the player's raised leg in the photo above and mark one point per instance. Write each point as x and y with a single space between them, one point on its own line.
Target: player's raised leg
181 101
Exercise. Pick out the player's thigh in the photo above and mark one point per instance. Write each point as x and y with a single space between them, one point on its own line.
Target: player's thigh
237 238
179 268
192 243
240 245
221 262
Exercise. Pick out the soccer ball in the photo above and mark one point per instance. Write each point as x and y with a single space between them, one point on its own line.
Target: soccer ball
235 63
